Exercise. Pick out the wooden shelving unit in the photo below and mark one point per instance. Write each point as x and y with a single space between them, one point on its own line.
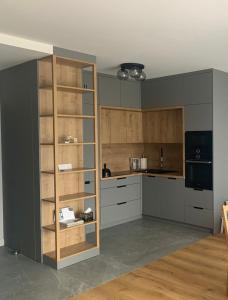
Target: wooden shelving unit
61 107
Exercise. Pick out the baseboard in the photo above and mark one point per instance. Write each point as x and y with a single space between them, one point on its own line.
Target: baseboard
1 242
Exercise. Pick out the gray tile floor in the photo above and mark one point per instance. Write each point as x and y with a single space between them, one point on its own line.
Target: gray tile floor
124 248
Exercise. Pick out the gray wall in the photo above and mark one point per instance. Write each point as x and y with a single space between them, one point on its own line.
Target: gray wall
220 144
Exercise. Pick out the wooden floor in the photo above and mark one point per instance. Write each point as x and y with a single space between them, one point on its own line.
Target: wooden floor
196 272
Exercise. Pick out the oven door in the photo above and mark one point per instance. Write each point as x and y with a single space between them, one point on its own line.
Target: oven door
198 174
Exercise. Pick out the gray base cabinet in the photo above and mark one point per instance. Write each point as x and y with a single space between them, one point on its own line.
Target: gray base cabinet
162 198
151 196
120 200
170 199
198 207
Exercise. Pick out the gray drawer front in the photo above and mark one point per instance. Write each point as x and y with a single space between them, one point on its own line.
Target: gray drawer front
119 194
202 199
200 217
108 183
111 215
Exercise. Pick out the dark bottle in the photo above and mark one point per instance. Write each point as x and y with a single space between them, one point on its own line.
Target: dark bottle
106 172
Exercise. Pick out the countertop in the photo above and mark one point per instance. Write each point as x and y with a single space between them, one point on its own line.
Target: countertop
130 173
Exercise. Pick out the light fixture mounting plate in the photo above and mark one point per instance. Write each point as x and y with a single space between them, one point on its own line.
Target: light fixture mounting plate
129 66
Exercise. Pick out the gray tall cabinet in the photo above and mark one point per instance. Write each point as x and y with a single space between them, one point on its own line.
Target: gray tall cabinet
204 97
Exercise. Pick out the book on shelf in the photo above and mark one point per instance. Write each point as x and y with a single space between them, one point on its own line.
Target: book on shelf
67 218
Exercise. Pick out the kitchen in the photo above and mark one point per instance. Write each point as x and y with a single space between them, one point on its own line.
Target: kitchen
151 121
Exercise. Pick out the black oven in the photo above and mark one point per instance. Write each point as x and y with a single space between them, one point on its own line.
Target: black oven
198 160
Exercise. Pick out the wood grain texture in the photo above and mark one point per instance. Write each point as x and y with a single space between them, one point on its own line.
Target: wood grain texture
197 272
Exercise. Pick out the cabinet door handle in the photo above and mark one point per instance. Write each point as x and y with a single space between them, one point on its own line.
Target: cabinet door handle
197 207
87 182
172 178
121 186
151 176
198 189
121 203
120 178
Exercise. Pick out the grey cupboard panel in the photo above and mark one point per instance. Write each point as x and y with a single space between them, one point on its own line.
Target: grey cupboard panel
130 94
182 89
199 217
167 91
116 214
198 117
163 197
108 183
151 187
87 82
108 91
203 199
88 130
198 87
119 194
172 199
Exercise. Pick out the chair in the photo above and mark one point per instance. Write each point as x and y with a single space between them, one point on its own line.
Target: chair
225 225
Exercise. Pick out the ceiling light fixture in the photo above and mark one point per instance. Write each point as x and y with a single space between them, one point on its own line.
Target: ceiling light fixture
131 70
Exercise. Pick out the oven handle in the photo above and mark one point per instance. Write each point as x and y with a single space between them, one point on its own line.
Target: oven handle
199 162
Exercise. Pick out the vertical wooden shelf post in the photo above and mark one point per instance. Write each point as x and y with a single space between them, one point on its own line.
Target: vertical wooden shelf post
55 135
96 155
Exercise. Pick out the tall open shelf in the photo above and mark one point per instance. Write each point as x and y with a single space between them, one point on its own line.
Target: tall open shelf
68 107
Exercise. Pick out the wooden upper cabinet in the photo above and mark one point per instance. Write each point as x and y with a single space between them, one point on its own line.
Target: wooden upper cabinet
163 126
118 126
129 126
151 127
105 126
134 127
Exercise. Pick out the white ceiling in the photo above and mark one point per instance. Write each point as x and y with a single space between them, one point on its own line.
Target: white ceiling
168 36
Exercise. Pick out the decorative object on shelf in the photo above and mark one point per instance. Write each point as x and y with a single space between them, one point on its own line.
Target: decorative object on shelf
67 218
87 215
64 167
106 172
131 70
68 139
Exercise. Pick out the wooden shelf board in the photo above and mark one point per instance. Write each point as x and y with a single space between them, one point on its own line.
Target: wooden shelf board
72 250
74 89
51 227
75 170
45 87
71 61
69 144
71 197
75 116
46 116
77 144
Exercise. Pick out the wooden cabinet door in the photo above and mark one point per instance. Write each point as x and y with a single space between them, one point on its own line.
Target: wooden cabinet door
151 127
105 126
167 126
134 127
118 126
171 126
